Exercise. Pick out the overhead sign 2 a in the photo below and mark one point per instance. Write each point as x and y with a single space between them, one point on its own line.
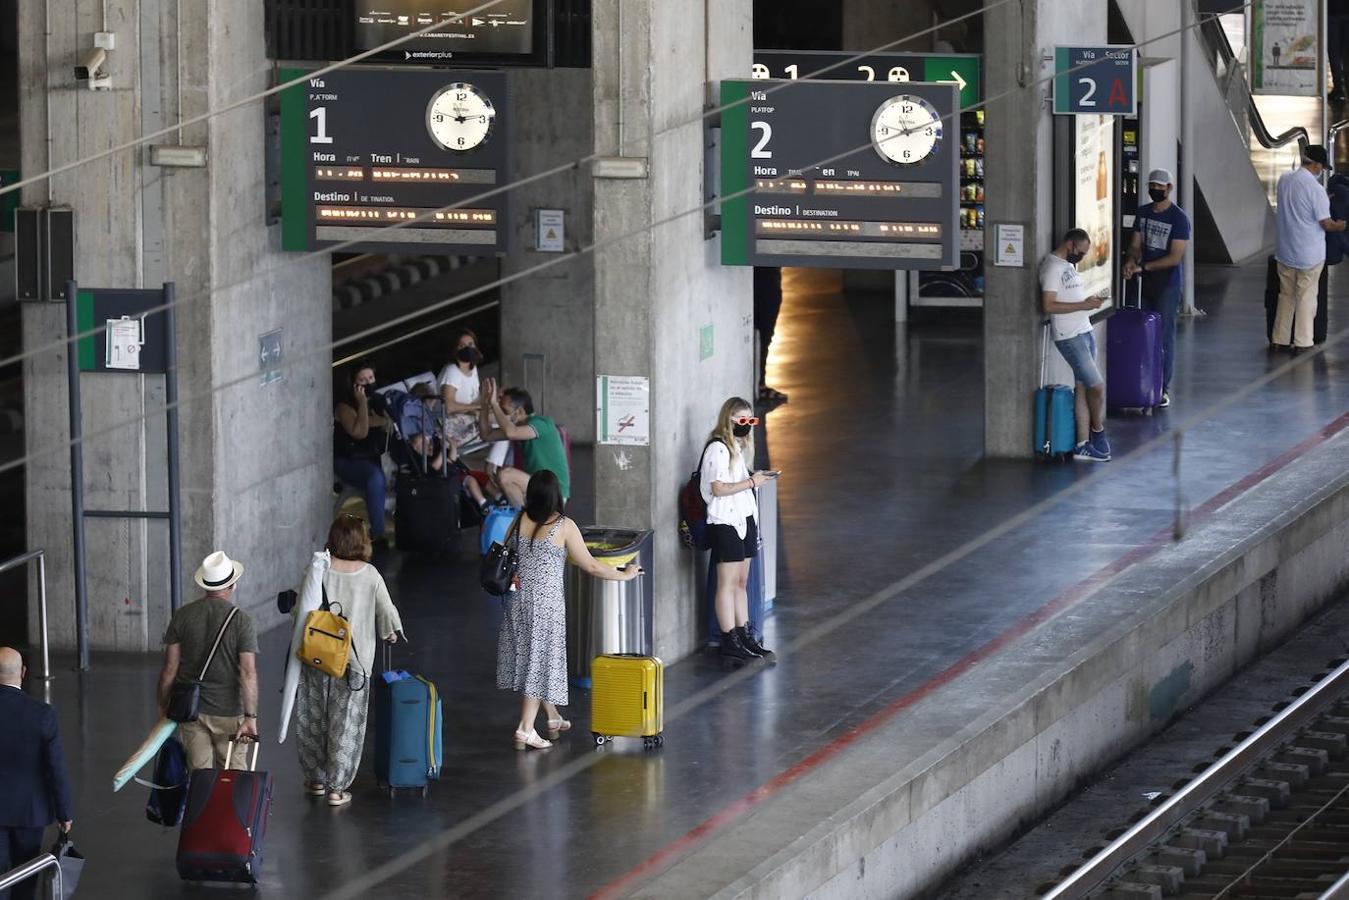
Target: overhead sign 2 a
1096 81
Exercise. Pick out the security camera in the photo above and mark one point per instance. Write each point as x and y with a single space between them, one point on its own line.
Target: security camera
91 70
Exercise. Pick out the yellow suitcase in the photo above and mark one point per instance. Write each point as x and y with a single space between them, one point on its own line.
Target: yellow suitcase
627 699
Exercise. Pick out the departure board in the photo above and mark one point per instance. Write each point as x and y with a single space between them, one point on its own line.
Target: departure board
365 149
859 175
506 32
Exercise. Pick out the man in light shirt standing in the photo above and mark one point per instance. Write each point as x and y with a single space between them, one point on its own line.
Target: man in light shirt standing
1064 299
1302 220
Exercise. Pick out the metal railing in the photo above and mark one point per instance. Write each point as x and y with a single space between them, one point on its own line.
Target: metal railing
1193 795
32 869
1230 72
41 557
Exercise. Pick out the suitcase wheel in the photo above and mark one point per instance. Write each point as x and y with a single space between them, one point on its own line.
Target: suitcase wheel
600 740
653 743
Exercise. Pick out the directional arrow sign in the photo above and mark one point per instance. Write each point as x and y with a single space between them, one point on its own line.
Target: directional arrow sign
955 79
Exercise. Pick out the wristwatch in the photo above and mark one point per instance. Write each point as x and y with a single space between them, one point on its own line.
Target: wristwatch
250 715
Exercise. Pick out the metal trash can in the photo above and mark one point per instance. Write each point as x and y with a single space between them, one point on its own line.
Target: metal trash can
609 616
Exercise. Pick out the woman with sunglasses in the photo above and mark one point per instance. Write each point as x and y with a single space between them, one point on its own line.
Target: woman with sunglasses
728 489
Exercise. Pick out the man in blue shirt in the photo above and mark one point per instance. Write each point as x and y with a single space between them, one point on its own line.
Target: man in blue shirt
1302 219
1161 231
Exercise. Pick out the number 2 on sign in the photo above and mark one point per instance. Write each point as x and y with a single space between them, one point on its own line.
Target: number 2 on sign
761 150
1090 85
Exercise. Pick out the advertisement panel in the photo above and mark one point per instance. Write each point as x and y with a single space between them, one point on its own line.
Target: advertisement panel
1093 201
1285 47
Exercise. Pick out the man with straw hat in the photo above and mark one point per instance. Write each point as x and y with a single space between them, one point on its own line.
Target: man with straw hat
212 641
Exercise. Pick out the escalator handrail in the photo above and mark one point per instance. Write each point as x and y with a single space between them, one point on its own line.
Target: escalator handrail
1217 40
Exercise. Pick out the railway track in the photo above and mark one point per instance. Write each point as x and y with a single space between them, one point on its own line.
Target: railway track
1268 819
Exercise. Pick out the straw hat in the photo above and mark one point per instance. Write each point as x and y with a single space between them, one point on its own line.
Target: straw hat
218 572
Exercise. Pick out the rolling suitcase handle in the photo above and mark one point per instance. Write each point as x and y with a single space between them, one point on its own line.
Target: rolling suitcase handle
1048 445
253 763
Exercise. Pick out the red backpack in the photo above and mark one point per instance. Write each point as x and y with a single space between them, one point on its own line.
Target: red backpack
693 508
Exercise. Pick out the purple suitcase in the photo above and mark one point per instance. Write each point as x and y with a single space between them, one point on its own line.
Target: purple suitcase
1134 358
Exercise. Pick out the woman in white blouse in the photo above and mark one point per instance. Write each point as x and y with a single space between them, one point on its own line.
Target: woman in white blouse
728 488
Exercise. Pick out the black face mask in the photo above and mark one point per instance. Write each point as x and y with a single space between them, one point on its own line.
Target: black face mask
1157 194
469 355
741 430
1074 257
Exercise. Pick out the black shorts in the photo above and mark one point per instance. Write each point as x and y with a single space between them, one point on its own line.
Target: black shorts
727 545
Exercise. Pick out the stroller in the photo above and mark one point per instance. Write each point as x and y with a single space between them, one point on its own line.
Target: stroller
428 485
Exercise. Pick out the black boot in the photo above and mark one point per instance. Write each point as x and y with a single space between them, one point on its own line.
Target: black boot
733 649
752 643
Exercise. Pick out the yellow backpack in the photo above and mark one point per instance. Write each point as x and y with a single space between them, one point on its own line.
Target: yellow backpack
326 642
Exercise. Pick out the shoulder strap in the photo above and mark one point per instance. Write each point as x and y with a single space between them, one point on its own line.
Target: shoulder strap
219 635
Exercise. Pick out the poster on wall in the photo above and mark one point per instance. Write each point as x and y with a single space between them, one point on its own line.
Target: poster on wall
1284 47
1093 201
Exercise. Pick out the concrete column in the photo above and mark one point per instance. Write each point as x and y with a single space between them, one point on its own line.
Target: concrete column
548 319
256 460
657 292
1019 188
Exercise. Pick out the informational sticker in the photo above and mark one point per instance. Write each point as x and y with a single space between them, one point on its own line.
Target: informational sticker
549 233
124 339
622 409
706 342
1010 244
269 357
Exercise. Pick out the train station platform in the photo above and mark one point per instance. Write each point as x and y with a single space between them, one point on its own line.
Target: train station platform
942 630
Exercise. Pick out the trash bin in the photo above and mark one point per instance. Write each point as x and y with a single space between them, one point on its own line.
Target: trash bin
609 616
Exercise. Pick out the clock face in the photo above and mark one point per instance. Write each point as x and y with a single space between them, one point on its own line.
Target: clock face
905 130
460 117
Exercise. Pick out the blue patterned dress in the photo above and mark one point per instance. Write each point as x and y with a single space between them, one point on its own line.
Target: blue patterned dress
532 648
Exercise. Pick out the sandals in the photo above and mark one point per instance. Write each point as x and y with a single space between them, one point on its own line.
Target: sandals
339 798
531 740
315 788
556 727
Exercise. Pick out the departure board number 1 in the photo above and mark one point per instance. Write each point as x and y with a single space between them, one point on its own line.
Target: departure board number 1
320 113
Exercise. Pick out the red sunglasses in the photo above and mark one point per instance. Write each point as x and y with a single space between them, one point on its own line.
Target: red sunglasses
746 420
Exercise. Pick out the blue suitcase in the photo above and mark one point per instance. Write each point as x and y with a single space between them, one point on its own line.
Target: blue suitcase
1055 435
1133 377
495 526
408 746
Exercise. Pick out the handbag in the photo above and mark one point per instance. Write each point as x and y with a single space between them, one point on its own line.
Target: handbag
496 573
326 642
185 696
70 862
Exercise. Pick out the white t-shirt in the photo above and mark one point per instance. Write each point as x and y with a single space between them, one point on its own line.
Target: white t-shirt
466 387
733 509
1060 277
1300 241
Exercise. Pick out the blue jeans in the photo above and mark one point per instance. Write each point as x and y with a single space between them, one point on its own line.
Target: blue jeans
368 477
1167 302
1079 352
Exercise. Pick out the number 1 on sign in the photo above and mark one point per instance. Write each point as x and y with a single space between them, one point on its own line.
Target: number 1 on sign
320 113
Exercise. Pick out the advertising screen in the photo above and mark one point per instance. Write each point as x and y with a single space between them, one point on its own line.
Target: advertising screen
509 31
1093 199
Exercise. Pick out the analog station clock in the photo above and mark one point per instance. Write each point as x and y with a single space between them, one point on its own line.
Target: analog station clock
460 117
906 130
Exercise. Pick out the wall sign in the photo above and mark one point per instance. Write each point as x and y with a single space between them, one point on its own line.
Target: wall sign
1010 249
960 69
840 174
1284 47
363 149
1096 80
549 230
133 341
505 32
623 409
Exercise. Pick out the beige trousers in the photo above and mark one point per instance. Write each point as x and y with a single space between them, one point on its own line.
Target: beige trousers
1297 305
206 743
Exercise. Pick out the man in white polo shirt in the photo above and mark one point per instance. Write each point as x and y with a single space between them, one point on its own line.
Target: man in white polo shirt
1303 218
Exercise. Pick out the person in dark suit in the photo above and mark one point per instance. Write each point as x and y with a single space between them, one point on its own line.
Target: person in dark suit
32 769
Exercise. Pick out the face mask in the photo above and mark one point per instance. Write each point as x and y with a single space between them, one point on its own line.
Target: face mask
469 355
741 430
1074 257
1157 194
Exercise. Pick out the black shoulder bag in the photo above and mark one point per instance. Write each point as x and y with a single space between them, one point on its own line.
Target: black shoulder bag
185 696
497 571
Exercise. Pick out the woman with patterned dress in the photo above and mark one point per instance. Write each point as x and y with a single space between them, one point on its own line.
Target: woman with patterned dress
330 713
532 649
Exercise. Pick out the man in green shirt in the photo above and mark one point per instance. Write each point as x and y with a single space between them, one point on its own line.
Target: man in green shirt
540 441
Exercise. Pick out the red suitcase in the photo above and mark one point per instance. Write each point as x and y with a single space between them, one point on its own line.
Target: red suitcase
225 823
